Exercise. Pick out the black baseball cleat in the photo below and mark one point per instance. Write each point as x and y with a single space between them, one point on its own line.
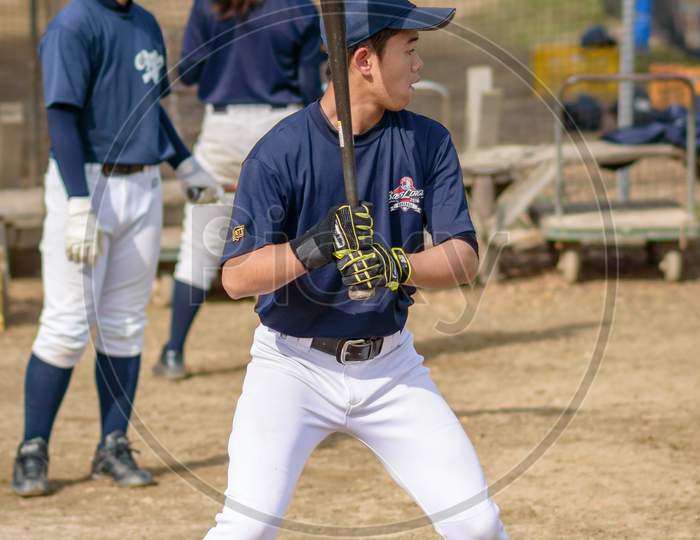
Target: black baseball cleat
30 471
115 459
171 365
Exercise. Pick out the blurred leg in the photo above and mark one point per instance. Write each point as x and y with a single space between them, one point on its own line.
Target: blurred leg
64 329
121 306
69 288
116 379
201 246
44 388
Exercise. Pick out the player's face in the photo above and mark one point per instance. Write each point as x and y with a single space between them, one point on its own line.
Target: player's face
398 70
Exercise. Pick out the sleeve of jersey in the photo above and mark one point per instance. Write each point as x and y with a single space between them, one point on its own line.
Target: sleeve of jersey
258 215
165 80
65 66
446 209
311 52
194 46
171 134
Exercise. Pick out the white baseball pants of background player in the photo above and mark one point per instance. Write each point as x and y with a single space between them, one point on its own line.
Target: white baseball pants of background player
226 139
294 396
112 295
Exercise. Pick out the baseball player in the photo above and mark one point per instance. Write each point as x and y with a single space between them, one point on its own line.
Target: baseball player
104 73
255 63
322 363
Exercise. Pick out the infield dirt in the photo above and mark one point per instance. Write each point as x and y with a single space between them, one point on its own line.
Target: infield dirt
625 467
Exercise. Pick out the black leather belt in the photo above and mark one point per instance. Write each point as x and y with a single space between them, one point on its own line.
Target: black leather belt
349 351
222 108
121 169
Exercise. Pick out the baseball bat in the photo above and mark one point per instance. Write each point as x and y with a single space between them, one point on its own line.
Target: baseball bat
333 12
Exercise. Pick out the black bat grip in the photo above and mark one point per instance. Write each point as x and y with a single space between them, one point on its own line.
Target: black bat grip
334 21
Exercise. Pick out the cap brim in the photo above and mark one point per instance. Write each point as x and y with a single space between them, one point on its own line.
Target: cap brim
424 19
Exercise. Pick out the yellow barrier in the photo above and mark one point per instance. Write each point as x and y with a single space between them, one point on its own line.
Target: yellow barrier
552 64
665 94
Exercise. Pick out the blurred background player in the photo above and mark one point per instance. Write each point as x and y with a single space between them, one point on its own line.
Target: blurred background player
103 65
255 63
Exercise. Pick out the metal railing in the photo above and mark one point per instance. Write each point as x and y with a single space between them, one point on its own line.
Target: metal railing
443 92
691 135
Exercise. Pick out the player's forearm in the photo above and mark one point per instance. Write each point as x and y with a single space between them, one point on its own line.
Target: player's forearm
67 146
260 272
452 263
181 151
310 82
194 47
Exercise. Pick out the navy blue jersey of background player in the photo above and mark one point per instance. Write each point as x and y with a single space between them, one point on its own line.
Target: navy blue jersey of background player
90 48
407 167
259 59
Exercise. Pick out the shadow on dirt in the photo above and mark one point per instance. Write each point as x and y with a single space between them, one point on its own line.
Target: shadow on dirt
478 341
173 467
204 373
537 411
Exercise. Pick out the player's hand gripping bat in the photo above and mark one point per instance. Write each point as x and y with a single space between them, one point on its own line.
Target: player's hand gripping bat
333 12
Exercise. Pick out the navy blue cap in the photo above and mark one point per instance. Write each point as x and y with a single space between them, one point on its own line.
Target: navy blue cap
364 18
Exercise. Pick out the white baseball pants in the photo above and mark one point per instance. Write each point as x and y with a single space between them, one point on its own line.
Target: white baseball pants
225 141
294 396
112 295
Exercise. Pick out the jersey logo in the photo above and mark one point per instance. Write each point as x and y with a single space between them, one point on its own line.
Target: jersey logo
238 233
406 197
150 62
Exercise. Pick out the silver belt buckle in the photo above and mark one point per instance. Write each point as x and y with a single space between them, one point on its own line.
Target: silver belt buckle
344 349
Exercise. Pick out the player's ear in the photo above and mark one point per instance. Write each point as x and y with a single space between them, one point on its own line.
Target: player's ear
362 60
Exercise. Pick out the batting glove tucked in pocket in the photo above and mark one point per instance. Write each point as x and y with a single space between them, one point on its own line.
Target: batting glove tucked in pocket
200 186
83 237
375 267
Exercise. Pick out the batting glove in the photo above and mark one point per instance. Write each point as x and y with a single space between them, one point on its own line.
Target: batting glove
376 267
200 186
343 230
83 236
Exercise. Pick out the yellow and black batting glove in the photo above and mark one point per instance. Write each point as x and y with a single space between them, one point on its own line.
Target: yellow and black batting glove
354 229
360 269
342 230
376 267
404 265
395 266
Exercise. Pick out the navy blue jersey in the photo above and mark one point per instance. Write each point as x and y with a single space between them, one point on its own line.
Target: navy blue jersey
254 60
406 166
111 64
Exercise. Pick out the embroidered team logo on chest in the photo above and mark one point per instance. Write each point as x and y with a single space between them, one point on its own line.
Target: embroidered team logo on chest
406 197
150 62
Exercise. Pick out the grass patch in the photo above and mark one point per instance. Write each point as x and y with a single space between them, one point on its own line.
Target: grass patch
663 54
523 23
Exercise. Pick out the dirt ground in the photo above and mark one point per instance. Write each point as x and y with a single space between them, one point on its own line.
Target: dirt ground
626 466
